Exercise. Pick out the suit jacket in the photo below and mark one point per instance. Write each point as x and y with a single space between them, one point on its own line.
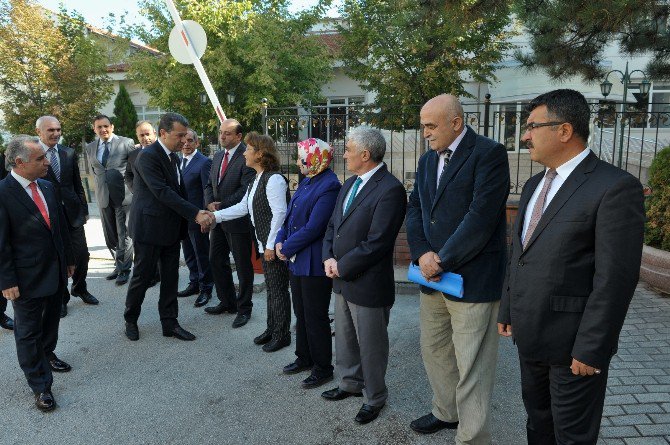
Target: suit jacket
306 221
196 176
362 240
32 255
4 171
69 190
462 218
109 182
129 175
567 294
160 210
232 187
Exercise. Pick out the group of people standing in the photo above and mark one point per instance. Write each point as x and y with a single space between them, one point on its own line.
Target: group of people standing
562 293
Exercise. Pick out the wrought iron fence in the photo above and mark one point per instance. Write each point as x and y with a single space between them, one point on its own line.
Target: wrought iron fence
629 139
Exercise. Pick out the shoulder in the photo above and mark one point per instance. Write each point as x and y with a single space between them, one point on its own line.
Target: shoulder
92 144
611 175
126 141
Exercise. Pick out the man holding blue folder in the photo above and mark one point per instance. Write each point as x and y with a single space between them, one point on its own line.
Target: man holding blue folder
456 223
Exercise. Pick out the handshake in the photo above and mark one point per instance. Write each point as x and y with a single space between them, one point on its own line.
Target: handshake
206 219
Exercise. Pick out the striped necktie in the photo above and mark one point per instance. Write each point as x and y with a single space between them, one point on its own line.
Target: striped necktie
55 165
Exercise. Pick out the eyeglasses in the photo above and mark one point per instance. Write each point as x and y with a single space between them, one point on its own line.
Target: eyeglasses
533 125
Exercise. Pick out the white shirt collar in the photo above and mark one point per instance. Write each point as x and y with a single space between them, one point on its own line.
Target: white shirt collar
456 142
365 177
45 147
111 138
25 183
189 157
165 149
231 152
568 167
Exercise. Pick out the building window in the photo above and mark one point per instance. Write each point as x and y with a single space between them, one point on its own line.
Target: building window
147 113
331 120
660 106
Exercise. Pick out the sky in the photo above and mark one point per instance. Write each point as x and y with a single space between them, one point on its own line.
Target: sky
95 12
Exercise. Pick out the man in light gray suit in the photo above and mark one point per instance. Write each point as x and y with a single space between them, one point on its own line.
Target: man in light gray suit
108 156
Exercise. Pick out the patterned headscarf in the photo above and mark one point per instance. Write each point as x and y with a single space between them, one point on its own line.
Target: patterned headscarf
315 154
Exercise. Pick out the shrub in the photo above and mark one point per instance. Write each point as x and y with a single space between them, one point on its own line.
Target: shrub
657 230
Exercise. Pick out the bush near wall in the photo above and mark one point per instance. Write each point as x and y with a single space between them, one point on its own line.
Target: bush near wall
657 229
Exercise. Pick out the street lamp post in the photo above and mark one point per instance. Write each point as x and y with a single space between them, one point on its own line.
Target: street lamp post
606 88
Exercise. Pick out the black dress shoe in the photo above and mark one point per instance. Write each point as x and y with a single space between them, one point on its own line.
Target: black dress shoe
202 299
429 424
63 310
112 276
367 413
179 332
122 278
220 309
295 368
44 401
58 365
191 289
314 381
276 345
339 394
86 297
132 332
241 320
6 322
263 338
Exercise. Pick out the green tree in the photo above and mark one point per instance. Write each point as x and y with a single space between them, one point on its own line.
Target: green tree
255 49
657 233
125 115
48 65
408 51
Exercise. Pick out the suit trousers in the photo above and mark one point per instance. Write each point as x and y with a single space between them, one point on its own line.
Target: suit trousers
196 254
279 300
220 247
146 258
313 340
3 305
36 323
115 229
459 347
562 408
362 349
81 256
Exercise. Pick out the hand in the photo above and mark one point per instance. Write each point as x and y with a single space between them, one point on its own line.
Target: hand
280 255
213 206
269 255
70 271
11 294
330 266
205 219
579 368
86 219
430 267
505 329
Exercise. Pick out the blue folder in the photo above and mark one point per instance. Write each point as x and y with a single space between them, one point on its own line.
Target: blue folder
450 283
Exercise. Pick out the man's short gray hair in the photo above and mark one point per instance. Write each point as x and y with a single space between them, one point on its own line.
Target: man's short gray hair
370 139
41 119
195 135
137 125
18 148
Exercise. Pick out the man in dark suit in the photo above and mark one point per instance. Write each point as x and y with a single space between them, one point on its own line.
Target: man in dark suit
5 321
146 135
576 252
35 262
456 223
358 256
195 169
108 157
64 175
228 182
158 222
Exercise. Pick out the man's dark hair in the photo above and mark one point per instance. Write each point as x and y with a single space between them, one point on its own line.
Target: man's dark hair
168 119
100 117
566 106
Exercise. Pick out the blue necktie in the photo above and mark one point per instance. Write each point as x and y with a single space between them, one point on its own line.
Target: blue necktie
105 154
55 166
354 190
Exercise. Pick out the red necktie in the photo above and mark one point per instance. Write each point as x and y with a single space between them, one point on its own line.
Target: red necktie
224 166
40 203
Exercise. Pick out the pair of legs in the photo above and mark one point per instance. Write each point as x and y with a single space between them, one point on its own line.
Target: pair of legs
81 256
115 229
196 254
459 346
222 243
279 301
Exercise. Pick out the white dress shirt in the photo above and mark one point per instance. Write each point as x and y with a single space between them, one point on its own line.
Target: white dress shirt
452 147
167 152
364 180
276 194
101 147
188 159
25 183
562 174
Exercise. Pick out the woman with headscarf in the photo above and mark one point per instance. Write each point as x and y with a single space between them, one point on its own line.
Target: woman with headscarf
299 243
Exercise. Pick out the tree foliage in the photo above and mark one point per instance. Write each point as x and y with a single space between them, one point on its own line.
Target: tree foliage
569 37
657 233
408 51
255 49
125 115
48 65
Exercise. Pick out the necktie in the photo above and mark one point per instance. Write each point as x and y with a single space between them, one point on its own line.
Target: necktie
354 190
39 203
175 165
539 205
224 166
105 154
53 158
447 157
184 161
